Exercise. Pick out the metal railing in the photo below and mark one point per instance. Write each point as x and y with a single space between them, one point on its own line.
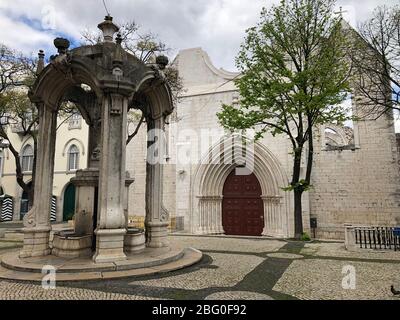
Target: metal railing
377 238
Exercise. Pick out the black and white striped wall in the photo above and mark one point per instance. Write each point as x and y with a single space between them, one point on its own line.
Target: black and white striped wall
7 209
53 215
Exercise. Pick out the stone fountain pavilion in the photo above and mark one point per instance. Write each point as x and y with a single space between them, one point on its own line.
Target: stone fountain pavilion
104 82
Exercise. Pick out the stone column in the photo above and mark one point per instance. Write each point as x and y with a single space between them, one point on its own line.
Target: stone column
350 238
37 220
210 213
156 215
272 216
111 226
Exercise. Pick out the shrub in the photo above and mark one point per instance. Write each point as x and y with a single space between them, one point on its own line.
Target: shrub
305 237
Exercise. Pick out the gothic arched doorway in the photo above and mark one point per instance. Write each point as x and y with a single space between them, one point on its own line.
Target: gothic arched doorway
69 202
242 206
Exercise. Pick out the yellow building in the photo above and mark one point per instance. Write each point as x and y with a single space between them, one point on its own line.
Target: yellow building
71 149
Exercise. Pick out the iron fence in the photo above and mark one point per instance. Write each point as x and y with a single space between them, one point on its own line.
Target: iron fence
378 238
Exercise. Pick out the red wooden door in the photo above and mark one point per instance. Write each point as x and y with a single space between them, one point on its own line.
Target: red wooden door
242 206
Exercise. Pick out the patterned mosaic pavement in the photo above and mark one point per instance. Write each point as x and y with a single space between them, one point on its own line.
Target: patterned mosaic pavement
239 268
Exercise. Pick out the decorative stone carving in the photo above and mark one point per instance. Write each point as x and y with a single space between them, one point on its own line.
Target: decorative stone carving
164 214
210 215
114 80
96 154
209 179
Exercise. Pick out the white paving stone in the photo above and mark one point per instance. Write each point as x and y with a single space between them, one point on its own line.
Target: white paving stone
228 270
322 279
256 245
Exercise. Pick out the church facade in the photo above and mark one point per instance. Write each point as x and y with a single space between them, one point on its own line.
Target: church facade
356 175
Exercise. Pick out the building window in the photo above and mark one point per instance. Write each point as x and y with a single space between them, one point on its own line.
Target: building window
342 136
27 158
75 122
4 119
339 137
73 158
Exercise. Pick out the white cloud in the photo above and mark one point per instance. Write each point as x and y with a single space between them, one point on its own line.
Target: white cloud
216 25
22 37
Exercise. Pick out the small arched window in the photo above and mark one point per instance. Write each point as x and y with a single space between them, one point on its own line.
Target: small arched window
27 158
73 158
75 122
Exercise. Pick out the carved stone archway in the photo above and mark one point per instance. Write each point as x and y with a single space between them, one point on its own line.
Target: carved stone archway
209 179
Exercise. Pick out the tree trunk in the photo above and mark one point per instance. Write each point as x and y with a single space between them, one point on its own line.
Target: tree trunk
298 214
298 192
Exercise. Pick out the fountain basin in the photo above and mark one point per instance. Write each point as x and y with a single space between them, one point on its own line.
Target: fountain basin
71 245
134 241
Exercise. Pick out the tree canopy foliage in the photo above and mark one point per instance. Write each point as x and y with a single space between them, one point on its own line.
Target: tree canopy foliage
294 77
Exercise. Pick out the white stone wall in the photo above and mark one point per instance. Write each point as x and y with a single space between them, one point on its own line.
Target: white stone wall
206 89
136 166
361 186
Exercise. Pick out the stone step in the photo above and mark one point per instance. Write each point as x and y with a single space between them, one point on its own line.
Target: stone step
146 259
190 257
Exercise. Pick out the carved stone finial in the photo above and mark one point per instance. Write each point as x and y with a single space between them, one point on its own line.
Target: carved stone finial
162 62
108 28
119 38
62 45
117 59
40 65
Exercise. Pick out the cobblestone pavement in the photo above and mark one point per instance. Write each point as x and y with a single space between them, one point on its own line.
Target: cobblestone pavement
25 291
239 268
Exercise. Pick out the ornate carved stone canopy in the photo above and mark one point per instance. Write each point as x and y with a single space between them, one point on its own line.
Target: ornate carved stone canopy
104 81
104 67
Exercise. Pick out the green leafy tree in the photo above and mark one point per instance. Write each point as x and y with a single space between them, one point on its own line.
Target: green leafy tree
294 78
17 113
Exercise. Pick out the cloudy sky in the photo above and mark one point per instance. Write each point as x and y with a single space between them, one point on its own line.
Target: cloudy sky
218 26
